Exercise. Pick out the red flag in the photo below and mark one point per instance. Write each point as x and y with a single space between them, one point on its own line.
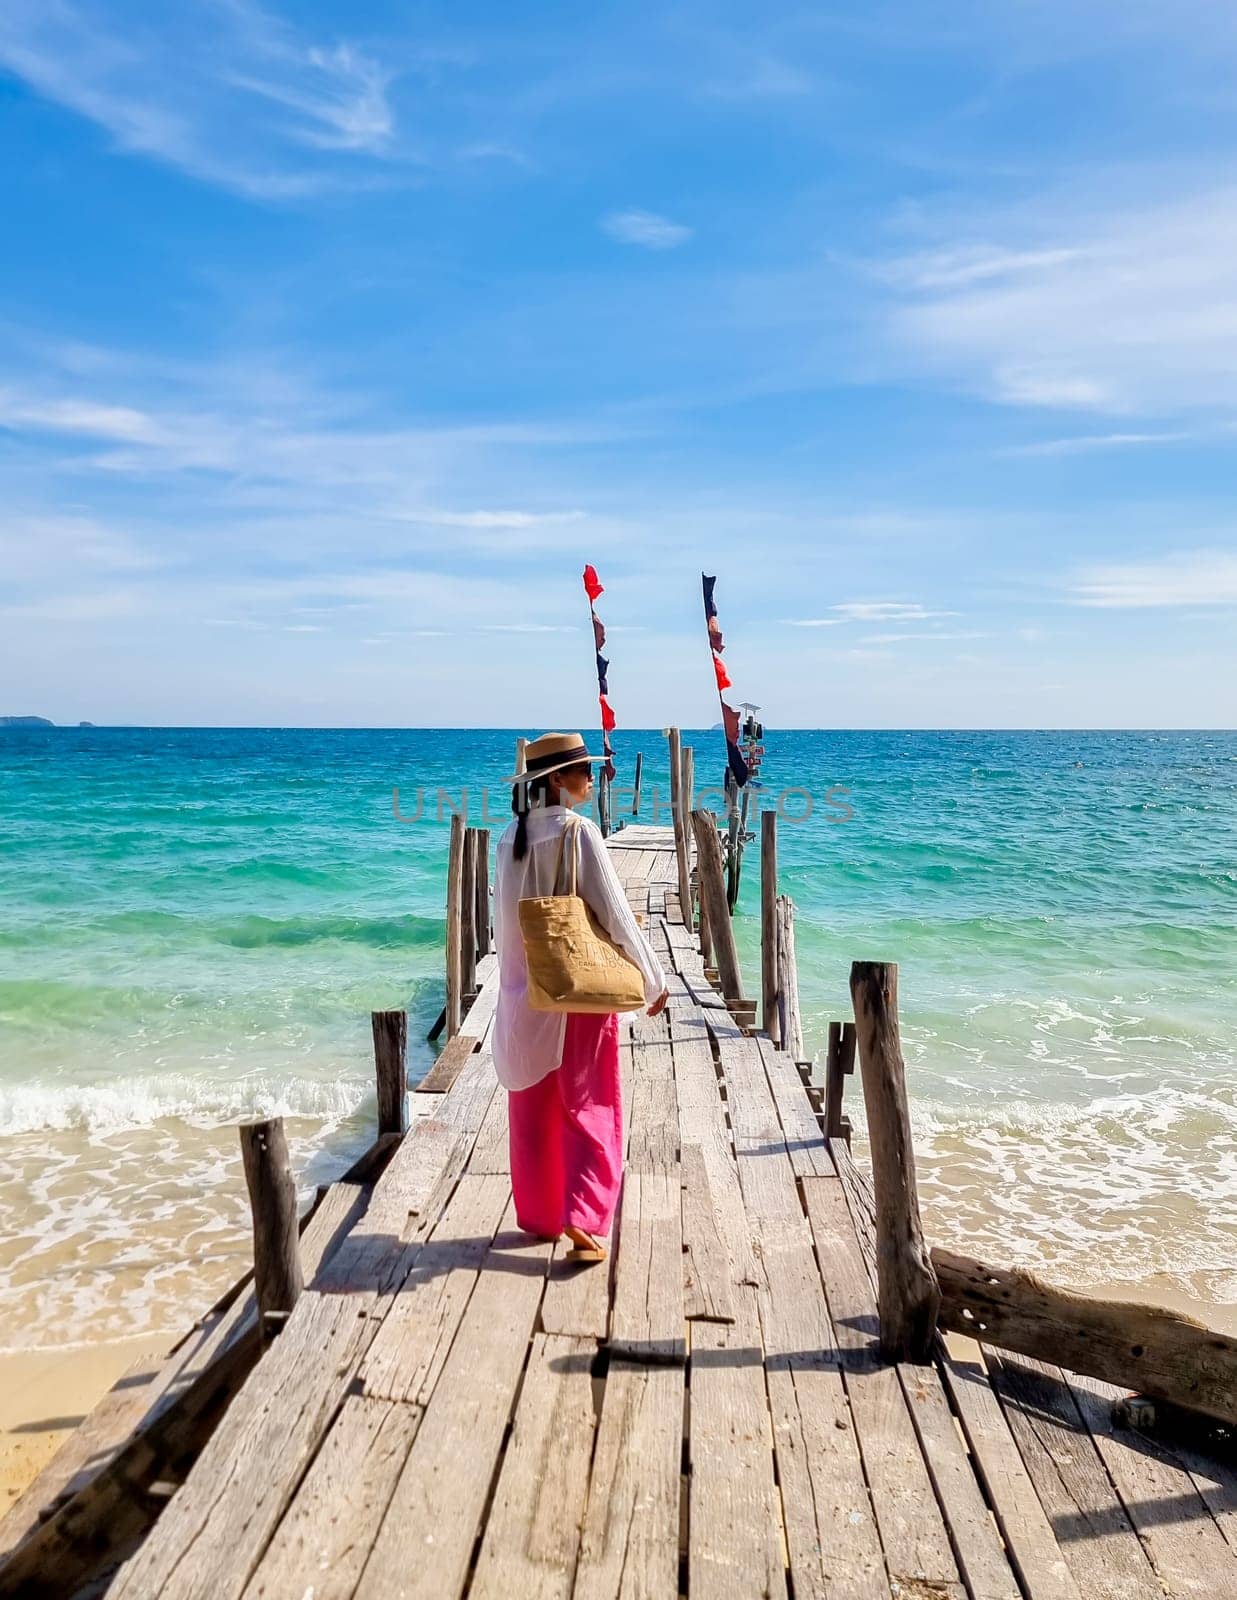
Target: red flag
592 587
730 721
599 633
607 716
719 668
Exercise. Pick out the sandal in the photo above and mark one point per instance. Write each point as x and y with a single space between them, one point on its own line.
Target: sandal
584 1246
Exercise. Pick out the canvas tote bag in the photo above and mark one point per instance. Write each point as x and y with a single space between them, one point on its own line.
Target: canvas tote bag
572 965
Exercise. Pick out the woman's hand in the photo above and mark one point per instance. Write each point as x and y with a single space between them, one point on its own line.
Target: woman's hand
659 1005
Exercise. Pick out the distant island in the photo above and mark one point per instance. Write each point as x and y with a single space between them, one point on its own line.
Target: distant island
34 722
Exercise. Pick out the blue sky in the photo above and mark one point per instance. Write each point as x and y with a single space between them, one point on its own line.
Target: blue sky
334 340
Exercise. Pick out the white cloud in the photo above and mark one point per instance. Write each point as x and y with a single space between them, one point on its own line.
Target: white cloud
1081 307
120 423
227 93
1195 578
1085 443
645 228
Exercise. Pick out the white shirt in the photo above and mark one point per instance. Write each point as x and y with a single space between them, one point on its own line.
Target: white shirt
528 1044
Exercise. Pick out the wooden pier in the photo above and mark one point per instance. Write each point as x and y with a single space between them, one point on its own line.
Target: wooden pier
450 1409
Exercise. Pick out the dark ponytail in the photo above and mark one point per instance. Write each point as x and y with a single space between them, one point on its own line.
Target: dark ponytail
524 797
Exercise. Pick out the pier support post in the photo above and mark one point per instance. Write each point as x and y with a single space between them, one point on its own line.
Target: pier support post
908 1295
839 1064
679 818
768 926
276 1237
635 798
455 889
481 887
390 1030
468 917
790 1026
711 879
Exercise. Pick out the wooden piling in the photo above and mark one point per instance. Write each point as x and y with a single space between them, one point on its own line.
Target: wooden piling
790 1025
276 1238
679 819
768 925
481 885
635 797
390 1030
455 888
839 1064
468 916
908 1295
711 881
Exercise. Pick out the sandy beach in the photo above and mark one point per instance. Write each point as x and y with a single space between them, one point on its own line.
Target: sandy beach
46 1394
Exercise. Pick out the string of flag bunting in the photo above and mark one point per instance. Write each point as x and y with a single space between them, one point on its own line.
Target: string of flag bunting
593 588
735 758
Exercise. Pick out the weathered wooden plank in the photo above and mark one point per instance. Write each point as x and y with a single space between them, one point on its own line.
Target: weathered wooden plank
1072 1483
213 1532
653 1124
491 1151
449 1065
806 1144
629 1549
1028 1535
1150 1348
831 1534
648 1320
321 1545
734 1515
423 1547
1185 1546
848 1288
852 1305
577 1295
708 1266
532 1534
410 1348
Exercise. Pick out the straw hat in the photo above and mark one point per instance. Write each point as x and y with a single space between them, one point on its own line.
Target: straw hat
550 753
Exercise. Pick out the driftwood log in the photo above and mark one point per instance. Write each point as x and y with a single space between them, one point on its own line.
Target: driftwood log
908 1295
1158 1352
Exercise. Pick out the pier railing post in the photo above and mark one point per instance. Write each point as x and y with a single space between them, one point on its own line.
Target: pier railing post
468 916
839 1064
768 925
908 1294
455 889
790 1026
390 1029
711 879
679 818
481 886
276 1236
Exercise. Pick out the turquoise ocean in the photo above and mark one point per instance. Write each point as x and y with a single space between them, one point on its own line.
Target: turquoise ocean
195 925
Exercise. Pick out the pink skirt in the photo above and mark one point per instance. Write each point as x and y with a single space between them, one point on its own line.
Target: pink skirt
566 1135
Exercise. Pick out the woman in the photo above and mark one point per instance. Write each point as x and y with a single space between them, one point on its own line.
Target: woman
561 1071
